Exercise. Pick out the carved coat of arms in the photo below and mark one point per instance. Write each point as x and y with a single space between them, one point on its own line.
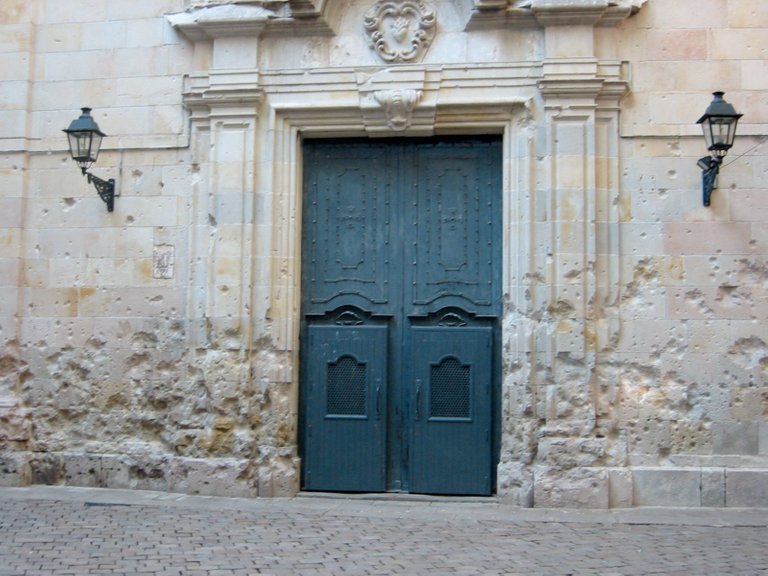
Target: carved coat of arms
400 30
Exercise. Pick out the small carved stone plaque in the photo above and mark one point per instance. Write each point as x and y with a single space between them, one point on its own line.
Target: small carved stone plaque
400 30
163 261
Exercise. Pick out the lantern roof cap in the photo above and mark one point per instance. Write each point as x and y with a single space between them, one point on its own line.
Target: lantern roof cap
719 108
84 123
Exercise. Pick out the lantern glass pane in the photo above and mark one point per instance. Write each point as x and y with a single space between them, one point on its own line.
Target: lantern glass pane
79 144
84 146
720 130
719 133
732 131
95 145
706 128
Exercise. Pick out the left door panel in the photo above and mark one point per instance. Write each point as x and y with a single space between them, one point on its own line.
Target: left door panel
345 385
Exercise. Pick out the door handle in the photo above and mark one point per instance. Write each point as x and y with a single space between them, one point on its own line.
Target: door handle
418 399
378 399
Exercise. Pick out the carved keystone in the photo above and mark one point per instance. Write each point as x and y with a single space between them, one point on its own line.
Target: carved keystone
394 101
398 106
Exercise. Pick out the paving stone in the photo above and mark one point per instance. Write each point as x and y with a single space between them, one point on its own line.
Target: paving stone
60 531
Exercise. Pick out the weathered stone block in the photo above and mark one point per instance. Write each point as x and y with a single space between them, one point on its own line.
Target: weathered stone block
515 484
219 477
46 469
14 469
143 472
713 487
82 470
571 452
747 403
683 14
763 440
666 487
578 488
281 479
707 237
111 471
15 425
620 488
736 437
746 488
737 43
677 45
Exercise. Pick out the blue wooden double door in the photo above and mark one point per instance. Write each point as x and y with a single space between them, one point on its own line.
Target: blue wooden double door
401 298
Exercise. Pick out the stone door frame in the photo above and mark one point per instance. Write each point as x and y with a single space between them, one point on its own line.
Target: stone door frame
559 121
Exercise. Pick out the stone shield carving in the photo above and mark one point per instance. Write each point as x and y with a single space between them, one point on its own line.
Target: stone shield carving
400 30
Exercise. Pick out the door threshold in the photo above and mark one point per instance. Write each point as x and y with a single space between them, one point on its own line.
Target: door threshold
398 497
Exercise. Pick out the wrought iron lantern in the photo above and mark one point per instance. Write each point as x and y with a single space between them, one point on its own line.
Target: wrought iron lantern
719 126
84 144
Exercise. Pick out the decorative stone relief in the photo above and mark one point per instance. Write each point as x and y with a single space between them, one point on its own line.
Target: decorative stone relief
398 106
394 100
163 257
400 30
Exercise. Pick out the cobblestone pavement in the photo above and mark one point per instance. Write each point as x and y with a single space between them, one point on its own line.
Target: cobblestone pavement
77 531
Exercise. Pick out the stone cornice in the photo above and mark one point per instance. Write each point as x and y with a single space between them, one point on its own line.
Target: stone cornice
536 13
225 18
583 78
210 20
232 88
221 21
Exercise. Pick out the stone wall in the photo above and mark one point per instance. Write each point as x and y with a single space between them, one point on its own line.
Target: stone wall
112 371
157 346
687 379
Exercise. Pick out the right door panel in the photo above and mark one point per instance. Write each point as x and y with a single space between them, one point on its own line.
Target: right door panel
452 375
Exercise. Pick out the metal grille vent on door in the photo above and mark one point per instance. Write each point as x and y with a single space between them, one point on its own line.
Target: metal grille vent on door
449 390
346 388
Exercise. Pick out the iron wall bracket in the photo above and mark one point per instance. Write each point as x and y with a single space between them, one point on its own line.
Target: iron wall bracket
710 168
105 189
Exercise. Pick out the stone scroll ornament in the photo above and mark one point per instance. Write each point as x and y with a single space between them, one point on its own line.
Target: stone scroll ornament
400 30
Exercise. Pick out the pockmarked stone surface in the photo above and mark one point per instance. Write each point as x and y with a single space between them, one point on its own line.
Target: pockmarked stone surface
160 346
